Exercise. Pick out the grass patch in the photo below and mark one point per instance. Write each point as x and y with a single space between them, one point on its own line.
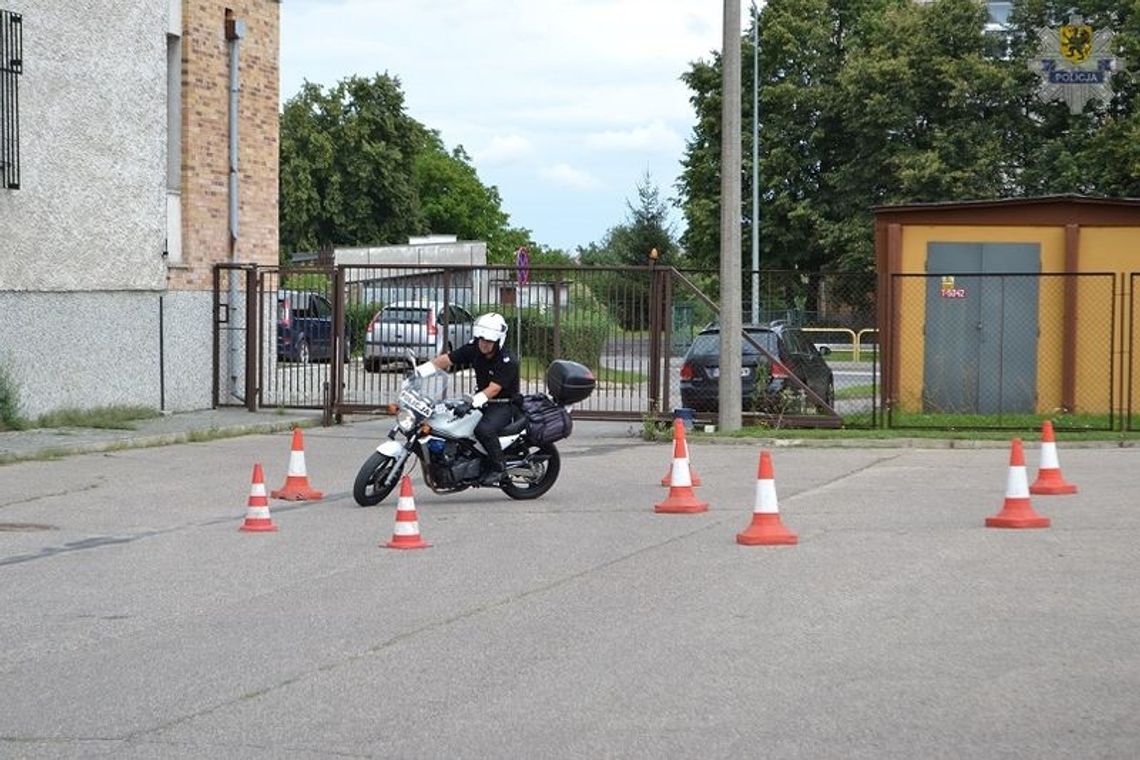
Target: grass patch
849 433
1078 423
855 391
106 417
865 355
605 374
534 369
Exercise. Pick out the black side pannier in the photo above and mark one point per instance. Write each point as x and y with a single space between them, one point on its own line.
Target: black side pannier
547 422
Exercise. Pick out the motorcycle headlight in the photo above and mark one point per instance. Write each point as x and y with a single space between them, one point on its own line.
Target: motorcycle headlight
405 420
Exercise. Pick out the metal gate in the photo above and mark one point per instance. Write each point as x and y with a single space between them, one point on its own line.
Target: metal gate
304 333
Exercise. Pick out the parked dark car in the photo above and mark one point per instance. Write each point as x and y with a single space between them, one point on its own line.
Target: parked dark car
304 326
765 387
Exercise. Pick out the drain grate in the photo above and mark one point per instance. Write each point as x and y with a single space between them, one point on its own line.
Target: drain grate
23 527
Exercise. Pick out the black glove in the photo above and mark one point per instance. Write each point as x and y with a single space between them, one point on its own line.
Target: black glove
461 408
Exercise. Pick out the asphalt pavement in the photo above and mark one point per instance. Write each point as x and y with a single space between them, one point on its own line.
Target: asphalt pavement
139 622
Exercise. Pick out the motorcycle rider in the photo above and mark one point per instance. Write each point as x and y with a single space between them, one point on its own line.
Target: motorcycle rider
497 377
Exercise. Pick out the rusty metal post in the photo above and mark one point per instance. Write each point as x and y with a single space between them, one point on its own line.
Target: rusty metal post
217 333
252 322
339 352
558 318
654 337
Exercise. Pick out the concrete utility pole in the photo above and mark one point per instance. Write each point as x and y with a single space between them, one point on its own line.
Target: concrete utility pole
754 226
731 306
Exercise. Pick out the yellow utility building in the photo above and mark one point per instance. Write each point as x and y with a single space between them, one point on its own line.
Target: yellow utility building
1012 306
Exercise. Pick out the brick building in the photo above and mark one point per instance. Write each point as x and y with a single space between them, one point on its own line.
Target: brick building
117 123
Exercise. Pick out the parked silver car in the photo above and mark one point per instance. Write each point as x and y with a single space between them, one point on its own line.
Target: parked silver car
425 327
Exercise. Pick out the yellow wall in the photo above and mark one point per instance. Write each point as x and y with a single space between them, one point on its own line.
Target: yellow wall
1100 250
1108 249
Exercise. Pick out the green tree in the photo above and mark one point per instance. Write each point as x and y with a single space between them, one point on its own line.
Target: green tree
646 228
346 166
355 169
888 101
455 201
1095 152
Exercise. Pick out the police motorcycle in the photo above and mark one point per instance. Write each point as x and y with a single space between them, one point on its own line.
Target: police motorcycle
438 431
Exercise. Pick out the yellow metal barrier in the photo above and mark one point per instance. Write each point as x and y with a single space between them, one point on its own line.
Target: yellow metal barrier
856 337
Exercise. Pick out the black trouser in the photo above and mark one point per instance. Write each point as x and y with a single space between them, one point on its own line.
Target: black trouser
496 416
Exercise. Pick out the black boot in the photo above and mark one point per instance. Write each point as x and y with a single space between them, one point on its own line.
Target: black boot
494 476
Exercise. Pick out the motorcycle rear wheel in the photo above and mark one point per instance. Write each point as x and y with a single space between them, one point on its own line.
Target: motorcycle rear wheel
548 474
369 489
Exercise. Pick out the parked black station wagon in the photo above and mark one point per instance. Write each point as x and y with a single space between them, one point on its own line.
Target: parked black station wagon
764 387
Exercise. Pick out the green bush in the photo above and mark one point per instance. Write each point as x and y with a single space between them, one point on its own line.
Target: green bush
581 338
9 402
356 318
582 332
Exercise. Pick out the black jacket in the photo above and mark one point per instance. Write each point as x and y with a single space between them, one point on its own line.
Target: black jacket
502 368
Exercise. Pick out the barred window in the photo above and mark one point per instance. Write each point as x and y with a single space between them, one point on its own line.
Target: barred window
11 66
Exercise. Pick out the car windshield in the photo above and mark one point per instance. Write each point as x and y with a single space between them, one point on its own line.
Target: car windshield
709 343
404 315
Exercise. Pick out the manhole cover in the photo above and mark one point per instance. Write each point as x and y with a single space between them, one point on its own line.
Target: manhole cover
23 527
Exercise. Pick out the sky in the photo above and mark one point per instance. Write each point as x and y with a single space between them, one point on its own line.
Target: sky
564 105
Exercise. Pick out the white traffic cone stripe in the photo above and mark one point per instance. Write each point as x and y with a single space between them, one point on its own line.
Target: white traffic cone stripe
257 513
766 498
407 528
1049 459
1017 484
681 477
257 489
296 463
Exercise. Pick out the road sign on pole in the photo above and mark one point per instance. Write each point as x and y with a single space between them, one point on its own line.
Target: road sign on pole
522 264
522 261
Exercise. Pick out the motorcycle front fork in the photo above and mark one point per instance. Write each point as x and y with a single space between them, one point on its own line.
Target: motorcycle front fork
397 467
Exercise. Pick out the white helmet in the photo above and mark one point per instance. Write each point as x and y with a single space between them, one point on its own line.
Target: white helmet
491 326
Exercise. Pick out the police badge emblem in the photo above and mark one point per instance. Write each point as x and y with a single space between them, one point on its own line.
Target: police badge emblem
1075 64
1076 42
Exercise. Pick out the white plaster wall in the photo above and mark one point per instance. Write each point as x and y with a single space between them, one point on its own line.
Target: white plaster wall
81 350
90 212
188 356
86 350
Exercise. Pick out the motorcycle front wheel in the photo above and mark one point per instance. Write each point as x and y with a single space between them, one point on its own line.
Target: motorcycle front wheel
369 489
544 467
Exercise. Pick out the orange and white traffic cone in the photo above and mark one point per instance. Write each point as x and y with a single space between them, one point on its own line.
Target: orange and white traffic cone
1017 511
766 528
407 532
681 499
1049 480
257 517
296 486
694 478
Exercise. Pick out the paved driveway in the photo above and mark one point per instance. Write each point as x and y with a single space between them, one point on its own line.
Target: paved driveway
138 622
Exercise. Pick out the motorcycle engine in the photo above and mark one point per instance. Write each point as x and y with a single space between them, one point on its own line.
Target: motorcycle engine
451 464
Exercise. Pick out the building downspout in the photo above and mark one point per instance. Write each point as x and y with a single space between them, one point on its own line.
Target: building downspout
235 30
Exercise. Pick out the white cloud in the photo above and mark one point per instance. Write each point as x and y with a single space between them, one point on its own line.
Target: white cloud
655 137
575 94
565 175
503 149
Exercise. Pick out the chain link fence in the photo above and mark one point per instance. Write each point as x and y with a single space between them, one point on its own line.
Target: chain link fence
1002 351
